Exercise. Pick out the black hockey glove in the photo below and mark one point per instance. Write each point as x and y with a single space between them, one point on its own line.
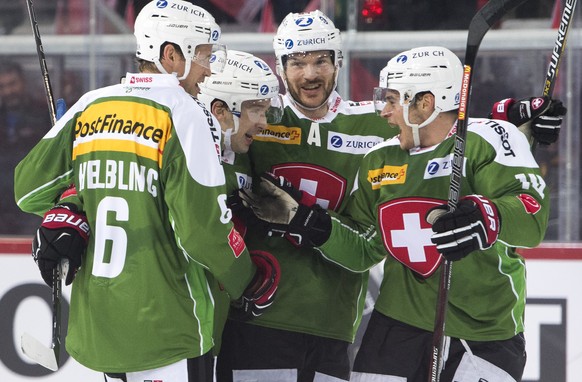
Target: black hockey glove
473 225
260 293
289 211
243 217
63 234
543 114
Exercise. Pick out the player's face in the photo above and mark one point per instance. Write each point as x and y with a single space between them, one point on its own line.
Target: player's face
252 121
394 114
199 69
310 78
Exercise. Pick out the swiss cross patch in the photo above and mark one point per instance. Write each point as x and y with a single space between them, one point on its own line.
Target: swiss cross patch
236 242
406 234
536 103
328 187
530 204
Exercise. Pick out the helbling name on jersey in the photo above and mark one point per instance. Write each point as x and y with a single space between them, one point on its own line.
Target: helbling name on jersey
122 175
109 123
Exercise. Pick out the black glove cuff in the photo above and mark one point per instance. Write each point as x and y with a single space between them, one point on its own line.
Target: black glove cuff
312 223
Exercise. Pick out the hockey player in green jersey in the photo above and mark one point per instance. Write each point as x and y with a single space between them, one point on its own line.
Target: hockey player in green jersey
145 158
318 146
398 212
244 97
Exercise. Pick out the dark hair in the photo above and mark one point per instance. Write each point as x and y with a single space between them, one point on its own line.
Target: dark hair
149 66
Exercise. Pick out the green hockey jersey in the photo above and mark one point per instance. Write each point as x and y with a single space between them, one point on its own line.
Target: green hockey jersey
238 175
387 212
321 157
145 159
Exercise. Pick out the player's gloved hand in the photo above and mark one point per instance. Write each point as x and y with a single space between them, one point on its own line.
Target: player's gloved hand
63 234
289 211
243 217
473 225
543 115
260 293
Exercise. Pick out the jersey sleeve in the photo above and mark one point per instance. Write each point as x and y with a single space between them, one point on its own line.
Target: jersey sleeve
195 193
511 178
354 242
47 170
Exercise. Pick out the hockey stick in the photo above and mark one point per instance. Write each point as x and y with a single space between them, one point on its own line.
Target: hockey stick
557 53
491 12
31 347
42 61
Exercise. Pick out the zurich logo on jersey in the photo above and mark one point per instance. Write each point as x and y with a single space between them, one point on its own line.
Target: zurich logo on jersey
261 65
264 89
323 20
336 141
215 35
162 4
289 44
457 98
402 59
243 180
432 168
304 21
212 58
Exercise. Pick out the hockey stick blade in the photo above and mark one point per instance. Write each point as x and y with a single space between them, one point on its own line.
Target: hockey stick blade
38 352
31 347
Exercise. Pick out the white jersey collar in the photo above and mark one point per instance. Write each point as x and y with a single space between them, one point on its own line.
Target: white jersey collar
150 79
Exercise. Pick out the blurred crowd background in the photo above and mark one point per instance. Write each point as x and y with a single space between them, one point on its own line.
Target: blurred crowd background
500 73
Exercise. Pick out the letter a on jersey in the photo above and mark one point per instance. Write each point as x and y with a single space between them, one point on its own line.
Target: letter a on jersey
406 234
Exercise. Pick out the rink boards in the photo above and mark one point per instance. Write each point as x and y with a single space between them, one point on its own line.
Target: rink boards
553 315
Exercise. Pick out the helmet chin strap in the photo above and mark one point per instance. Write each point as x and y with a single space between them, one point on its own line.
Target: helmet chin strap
164 71
415 126
227 152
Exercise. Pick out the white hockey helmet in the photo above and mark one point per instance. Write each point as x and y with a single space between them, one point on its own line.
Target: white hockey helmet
245 81
245 77
433 69
306 32
178 22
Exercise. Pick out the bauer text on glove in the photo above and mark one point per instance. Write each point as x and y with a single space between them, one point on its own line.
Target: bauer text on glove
63 234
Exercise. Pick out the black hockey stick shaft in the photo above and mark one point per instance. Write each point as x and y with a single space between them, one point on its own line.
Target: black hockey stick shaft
557 53
57 284
42 61
559 47
488 15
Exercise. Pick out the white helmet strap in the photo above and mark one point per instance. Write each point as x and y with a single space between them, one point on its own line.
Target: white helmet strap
227 153
416 126
164 71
